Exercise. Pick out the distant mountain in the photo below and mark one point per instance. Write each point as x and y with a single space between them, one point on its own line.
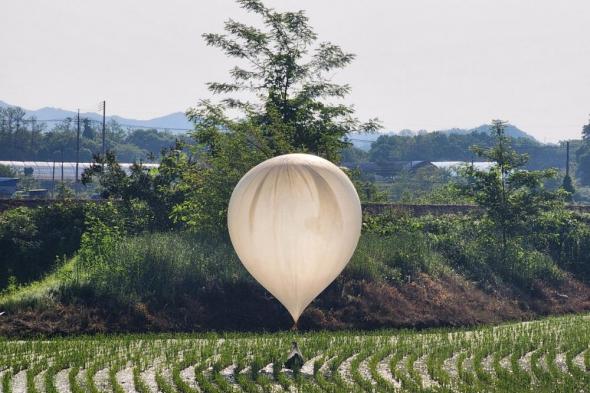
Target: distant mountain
511 130
363 140
175 122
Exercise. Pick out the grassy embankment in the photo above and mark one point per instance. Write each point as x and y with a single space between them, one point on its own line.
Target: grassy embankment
421 273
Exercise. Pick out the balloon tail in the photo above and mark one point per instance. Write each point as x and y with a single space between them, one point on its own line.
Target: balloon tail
294 328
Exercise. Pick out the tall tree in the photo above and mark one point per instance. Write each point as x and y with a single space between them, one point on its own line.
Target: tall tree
285 101
288 75
511 197
583 156
586 132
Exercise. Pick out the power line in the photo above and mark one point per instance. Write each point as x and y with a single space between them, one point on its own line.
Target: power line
119 124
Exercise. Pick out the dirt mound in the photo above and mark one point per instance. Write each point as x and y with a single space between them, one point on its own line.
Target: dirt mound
424 302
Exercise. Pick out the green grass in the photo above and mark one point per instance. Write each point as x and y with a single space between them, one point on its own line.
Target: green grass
161 268
39 292
209 354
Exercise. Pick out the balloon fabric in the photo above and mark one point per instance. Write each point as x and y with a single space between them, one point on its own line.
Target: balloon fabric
294 221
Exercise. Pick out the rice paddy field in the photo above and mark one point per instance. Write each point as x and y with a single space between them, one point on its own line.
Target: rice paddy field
549 355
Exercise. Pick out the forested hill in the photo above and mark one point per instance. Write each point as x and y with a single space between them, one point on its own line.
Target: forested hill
363 141
441 146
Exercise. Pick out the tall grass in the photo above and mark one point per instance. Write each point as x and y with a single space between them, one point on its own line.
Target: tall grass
160 267
393 258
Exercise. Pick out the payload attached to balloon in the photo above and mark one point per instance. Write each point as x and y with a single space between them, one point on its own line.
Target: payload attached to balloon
294 221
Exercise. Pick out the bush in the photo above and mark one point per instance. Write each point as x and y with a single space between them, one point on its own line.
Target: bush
31 239
565 236
466 244
34 240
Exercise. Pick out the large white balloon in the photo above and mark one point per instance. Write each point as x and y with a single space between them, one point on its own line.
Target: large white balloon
294 221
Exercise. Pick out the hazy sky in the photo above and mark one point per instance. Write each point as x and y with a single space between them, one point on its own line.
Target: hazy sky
421 64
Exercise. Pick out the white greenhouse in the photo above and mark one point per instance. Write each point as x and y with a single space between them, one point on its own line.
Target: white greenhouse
48 170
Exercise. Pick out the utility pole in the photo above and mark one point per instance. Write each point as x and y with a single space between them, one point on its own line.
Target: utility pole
567 158
32 134
53 179
62 166
104 109
77 149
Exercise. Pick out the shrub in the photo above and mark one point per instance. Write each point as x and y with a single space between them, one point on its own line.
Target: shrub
565 236
466 244
31 239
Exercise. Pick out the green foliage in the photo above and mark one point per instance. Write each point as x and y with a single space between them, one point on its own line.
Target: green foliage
147 195
393 258
6 171
6 382
367 190
353 155
287 71
583 157
96 242
36 240
427 185
63 191
112 177
511 197
208 184
568 186
464 244
162 268
437 146
444 194
31 239
565 237
293 112
586 132
159 268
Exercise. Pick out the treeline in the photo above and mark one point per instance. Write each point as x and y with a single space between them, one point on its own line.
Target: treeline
26 139
437 146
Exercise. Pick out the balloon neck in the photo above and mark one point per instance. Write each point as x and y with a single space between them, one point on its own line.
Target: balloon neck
294 328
